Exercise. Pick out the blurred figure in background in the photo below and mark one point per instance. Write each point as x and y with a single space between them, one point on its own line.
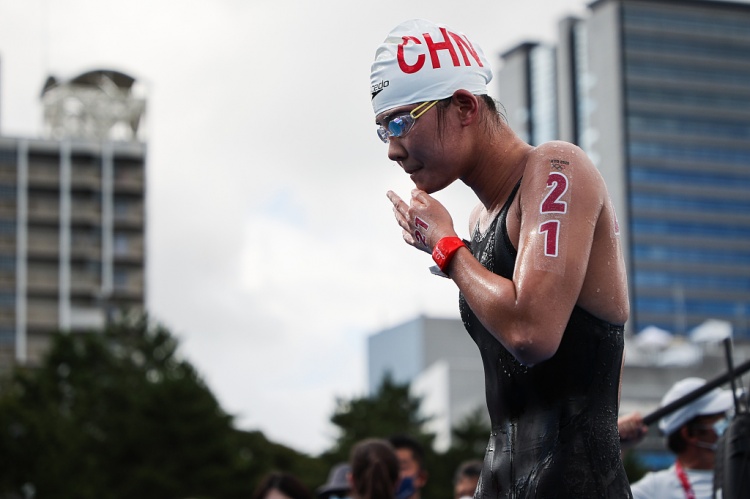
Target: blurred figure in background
692 433
631 429
374 470
281 485
337 486
465 481
412 468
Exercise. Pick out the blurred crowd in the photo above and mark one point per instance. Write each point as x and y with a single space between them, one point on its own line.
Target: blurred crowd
377 469
395 468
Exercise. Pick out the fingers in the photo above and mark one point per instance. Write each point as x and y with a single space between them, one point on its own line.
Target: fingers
401 211
395 199
420 196
399 206
415 218
408 238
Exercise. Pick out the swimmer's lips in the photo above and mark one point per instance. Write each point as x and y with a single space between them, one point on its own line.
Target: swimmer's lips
412 171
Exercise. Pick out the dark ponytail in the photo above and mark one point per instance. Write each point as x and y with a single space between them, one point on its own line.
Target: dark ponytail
374 470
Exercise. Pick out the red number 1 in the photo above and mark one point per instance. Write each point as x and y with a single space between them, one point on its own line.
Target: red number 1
551 229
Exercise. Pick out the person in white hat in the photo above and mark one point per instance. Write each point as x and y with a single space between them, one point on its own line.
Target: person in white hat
542 281
692 433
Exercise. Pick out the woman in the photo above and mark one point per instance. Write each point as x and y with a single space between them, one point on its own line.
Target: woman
542 282
374 470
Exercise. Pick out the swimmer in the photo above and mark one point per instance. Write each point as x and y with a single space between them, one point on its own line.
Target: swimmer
541 279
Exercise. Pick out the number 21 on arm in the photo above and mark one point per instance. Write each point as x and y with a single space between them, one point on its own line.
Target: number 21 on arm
553 203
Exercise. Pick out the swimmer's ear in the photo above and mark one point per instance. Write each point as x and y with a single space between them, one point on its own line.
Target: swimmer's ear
467 105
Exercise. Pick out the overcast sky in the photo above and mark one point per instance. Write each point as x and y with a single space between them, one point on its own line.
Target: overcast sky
271 248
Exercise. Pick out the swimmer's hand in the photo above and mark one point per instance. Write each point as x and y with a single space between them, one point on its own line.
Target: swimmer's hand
424 221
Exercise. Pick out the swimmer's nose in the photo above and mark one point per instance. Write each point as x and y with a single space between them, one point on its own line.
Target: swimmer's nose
396 151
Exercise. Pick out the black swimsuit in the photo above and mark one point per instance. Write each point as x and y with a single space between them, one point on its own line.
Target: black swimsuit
554 425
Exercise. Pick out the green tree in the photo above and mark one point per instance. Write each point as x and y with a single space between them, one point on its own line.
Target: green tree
391 410
469 441
634 468
264 456
470 436
117 414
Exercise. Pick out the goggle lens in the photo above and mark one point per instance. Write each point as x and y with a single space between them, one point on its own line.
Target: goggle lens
399 125
383 134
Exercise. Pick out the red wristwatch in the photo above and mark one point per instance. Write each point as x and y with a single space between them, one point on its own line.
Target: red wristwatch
444 250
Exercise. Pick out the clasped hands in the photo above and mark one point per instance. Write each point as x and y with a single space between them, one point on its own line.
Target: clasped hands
424 221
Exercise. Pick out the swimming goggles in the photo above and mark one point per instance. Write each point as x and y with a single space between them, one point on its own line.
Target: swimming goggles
399 125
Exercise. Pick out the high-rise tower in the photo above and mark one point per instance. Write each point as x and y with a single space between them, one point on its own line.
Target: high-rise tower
657 93
72 214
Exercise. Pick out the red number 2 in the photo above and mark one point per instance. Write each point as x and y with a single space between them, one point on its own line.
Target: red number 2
551 202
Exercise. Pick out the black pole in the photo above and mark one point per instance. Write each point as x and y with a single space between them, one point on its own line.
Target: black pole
697 393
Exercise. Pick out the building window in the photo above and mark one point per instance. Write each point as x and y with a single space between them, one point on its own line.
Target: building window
7 227
122 244
8 156
7 336
7 300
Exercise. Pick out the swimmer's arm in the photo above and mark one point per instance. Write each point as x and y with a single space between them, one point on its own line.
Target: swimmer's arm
528 314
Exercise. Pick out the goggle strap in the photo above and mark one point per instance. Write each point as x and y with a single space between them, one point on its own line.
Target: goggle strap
421 109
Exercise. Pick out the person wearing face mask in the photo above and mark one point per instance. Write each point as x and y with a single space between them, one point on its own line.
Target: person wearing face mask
466 479
412 469
692 433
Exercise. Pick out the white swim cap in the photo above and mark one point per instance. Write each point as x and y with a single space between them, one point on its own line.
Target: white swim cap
422 61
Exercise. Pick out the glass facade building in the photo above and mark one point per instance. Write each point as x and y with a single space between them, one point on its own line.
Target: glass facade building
687 121
658 94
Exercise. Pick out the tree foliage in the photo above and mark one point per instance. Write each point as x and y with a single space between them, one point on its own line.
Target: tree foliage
391 410
470 436
468 442
117 414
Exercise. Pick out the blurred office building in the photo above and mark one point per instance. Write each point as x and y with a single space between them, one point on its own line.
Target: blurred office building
657 93
72 214
441 364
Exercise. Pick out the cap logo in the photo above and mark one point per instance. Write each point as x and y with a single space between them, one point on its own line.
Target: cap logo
376 89
433 47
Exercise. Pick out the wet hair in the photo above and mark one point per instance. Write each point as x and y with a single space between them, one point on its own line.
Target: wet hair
375 469
491 115
285 483
469 469
407 442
